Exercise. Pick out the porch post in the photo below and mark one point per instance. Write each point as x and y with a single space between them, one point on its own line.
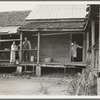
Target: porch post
93 40
19 67
70 47
38 67
87 45
38 52
83 58
98 78
21 37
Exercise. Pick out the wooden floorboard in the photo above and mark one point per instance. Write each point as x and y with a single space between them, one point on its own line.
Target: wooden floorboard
66 65
52 64
7 65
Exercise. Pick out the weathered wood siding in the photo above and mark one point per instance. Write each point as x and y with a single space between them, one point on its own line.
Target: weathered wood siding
33 41
56 47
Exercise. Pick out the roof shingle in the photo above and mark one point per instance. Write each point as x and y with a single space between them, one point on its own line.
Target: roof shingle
13 18
53 25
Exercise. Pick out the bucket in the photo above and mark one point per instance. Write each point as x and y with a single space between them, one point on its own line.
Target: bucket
32 58
47 60
17 62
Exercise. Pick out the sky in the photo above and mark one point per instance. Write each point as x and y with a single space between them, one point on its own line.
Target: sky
23 5
29 5
16 6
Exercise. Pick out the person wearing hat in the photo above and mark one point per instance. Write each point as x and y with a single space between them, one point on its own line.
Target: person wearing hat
26 47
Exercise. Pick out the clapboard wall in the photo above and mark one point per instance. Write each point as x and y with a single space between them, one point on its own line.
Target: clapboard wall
56 47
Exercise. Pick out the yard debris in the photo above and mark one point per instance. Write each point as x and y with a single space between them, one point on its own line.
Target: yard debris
9 76
82 84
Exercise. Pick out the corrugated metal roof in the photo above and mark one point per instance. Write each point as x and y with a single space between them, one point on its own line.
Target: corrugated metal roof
57 11
9 30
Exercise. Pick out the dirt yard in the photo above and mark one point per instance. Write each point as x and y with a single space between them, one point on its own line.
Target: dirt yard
26 85
51 84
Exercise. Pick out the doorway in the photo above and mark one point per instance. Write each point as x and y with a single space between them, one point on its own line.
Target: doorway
77 48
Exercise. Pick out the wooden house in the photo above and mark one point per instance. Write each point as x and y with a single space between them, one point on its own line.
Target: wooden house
51 33
52 29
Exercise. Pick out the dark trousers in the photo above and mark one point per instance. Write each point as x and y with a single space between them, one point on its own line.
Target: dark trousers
26 56
73 58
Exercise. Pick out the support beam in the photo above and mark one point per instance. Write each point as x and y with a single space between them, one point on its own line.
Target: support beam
98 78
99 39
83 58
8 40
38 67
38 51
93 31
70 47
92 40
21 37
87 43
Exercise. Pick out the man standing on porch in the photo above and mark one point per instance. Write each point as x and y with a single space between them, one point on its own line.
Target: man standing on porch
26 47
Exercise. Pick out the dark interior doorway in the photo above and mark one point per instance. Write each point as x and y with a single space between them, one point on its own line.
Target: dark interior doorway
78 38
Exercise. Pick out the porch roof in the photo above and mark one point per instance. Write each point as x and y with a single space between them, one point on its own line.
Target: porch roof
44 26
8 30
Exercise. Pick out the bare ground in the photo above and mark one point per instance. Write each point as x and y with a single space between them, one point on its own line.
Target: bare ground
30 85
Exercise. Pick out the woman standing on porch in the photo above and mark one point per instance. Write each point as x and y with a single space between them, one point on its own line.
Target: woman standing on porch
74 47
13 53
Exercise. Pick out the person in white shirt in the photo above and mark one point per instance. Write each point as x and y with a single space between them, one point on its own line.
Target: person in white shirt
74 47
13 52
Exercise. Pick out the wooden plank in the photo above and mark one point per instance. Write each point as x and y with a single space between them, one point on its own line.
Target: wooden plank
83 55
76 64
50 34
21 37
7 65
87 46
29 49
0 39
98 86
60 66
65 64
4 59
98 79
38 51
70 46
8 50
99 39
93 31
53 30
8 40
28 64
57 33
59 20
92 40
